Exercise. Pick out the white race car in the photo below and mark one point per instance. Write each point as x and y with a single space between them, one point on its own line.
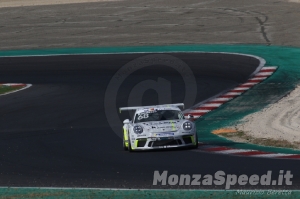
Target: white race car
158 127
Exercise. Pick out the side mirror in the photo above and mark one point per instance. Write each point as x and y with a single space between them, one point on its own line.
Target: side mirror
126 121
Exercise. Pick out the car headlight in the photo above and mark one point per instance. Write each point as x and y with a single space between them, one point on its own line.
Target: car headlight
138 129
187 126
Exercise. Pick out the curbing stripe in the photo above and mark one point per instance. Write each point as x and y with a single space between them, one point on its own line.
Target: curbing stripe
229 96
199 111
234 151
221 148
257 78
252 153
211 105
267 70
263 74
249 84
233 93
207 108
269 67
255 81
12 84
243 152
220 100
240 89
272 155
20 86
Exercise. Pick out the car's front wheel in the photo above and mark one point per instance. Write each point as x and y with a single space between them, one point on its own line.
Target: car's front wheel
196 139
124 144
129 144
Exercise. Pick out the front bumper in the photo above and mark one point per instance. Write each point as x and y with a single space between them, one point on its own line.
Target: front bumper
163 142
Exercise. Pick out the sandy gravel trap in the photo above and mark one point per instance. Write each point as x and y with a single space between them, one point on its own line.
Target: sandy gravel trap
279 121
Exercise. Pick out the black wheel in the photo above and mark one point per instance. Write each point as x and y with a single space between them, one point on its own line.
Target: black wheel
196 145
124 145
129 144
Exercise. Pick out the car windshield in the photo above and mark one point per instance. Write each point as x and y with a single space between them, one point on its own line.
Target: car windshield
158 115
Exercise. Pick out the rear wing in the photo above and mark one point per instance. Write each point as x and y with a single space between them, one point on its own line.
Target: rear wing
138 107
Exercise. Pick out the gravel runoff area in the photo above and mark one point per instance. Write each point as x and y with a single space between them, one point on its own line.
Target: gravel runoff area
143 22
160 22
280 121
18 3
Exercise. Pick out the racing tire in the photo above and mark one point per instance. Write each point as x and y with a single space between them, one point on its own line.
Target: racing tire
196 145
129 145
124 145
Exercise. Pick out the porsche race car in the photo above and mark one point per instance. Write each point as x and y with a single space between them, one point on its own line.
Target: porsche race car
158 127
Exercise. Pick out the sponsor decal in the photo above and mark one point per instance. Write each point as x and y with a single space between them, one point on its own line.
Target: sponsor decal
162 134
165 138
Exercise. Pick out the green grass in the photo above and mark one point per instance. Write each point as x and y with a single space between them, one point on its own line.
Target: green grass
7 89
42 193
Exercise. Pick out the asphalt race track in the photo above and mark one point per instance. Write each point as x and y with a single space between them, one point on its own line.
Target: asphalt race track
55 134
